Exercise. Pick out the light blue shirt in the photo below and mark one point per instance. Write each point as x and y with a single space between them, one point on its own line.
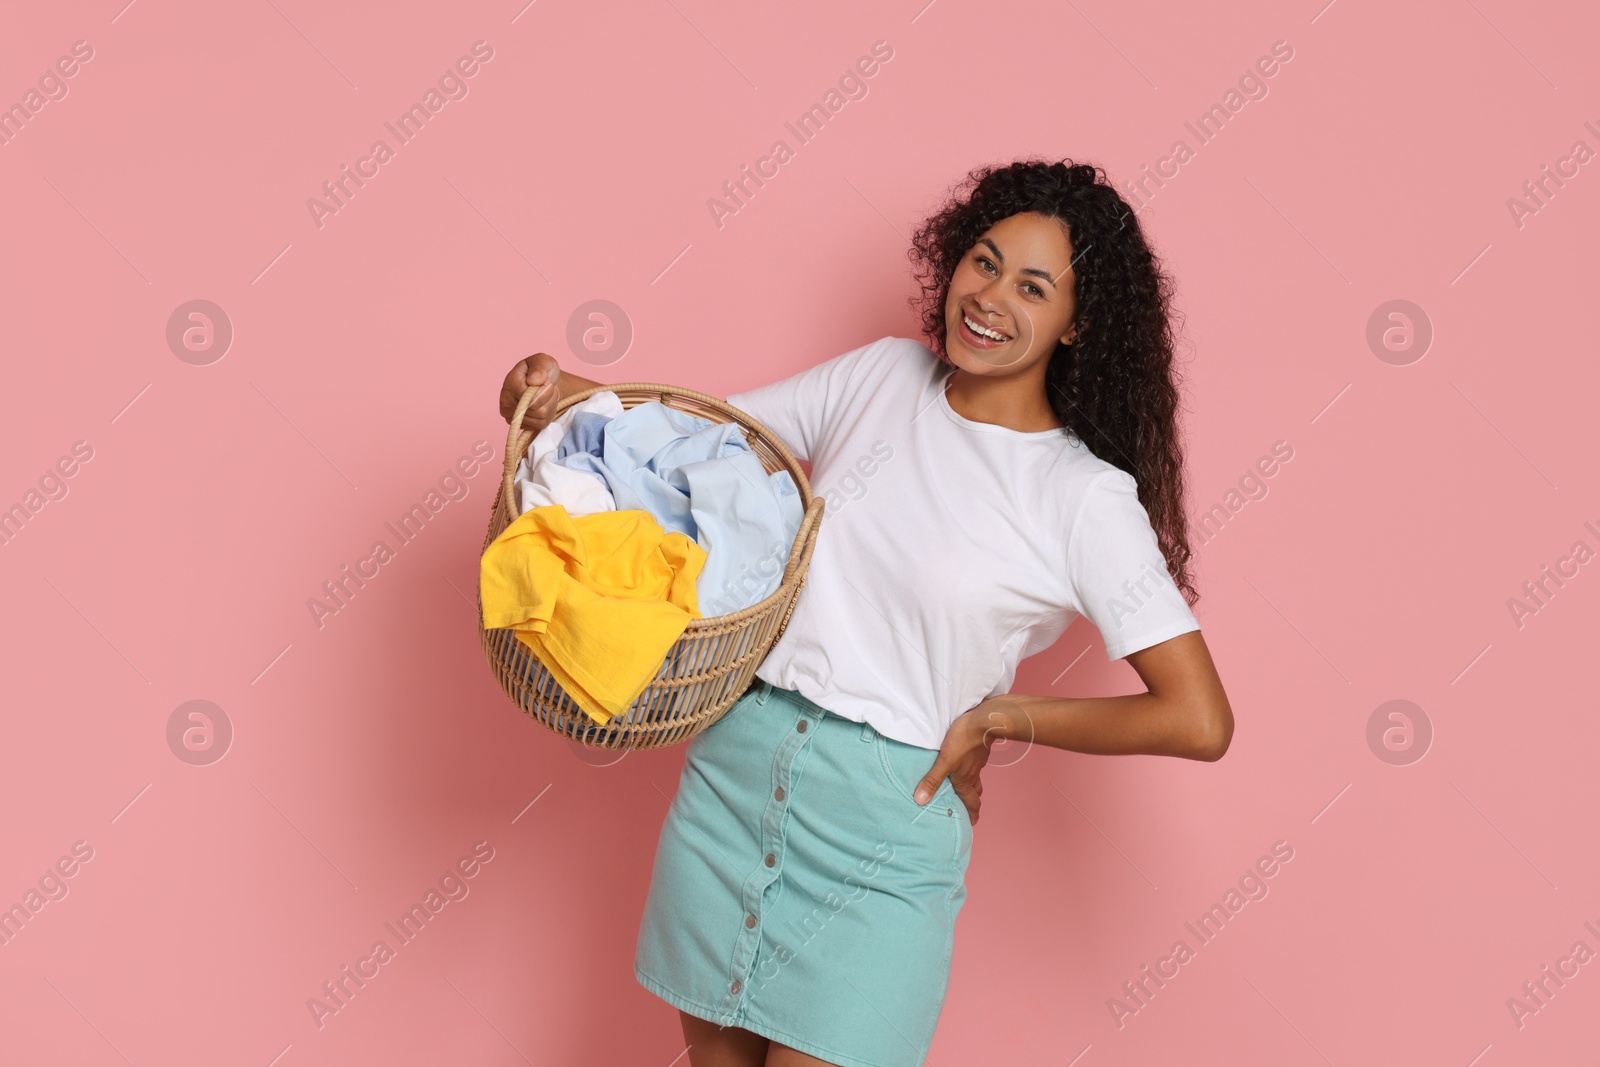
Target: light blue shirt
701 479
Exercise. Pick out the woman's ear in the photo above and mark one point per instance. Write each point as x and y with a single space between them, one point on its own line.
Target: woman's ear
1080 325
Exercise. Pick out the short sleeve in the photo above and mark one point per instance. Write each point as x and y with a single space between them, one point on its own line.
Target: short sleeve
1118 572
801 408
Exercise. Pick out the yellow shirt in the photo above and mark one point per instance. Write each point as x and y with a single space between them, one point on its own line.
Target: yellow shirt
600 598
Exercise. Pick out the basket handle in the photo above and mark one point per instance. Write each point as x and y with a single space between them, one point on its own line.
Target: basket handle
517 442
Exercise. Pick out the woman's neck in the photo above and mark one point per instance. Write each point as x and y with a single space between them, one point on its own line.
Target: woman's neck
1016 402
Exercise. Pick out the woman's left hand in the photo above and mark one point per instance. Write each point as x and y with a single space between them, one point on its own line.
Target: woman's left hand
962 756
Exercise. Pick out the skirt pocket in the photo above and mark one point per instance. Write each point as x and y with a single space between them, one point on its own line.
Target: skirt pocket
903 766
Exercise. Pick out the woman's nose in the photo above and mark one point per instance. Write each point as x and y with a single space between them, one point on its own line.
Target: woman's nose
988 297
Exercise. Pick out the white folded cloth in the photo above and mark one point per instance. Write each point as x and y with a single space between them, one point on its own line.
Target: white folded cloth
541 481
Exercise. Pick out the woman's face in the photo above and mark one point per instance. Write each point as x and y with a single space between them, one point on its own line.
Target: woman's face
1016 281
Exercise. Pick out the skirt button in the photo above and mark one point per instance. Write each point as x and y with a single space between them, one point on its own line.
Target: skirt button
778 793
771 859
801 726
749 922
735 987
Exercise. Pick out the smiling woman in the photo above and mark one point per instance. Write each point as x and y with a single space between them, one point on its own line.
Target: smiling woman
1036 471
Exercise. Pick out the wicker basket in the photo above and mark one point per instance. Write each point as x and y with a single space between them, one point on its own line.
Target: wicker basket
715 659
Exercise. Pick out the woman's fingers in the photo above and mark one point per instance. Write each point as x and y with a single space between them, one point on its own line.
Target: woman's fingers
963 773
543 408
929 785
511 390
539 370
972 798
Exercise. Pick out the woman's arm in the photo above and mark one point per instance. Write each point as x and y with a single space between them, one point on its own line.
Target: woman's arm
1184 713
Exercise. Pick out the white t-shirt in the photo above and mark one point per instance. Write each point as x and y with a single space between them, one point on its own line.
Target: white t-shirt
949 550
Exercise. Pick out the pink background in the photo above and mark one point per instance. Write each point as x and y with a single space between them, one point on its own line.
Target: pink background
372 753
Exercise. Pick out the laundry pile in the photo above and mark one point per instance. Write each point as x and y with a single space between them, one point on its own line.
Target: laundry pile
630 524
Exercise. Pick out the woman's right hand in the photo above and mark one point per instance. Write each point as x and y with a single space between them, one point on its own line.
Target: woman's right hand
537 369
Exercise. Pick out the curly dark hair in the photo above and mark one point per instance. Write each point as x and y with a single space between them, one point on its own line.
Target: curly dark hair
1115 386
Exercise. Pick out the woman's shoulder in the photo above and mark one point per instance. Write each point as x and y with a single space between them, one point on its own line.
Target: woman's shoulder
1079 478
910 350
1085 463
870 367
889 358
890 349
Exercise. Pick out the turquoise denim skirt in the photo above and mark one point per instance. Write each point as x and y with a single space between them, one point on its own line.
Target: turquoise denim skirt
799 891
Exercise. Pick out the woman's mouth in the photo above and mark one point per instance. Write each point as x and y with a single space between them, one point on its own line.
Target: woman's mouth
980 336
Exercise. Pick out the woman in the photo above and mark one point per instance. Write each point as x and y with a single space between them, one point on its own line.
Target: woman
982 494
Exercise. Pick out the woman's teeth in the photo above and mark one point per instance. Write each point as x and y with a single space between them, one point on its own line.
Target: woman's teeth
984 331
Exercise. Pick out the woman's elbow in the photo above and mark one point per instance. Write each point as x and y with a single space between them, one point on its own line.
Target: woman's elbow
1214 733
